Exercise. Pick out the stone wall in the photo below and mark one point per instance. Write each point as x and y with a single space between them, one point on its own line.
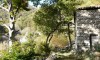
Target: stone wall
87 22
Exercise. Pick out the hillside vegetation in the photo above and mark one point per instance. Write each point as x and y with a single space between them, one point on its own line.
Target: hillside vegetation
37 32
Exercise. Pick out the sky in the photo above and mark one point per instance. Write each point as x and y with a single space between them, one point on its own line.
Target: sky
30 3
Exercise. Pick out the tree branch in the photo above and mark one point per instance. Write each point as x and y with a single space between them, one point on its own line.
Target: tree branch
1 6
7 26
10 31
50 35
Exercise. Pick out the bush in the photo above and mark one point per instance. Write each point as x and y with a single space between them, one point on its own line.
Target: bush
20 52
97 47
25 51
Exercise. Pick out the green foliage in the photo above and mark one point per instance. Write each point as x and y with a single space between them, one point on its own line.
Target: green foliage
20 52
25 19
44 19
26 51
17 4
3 16
42 48
49 15
97 47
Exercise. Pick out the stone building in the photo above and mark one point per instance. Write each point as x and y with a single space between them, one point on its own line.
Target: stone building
87 21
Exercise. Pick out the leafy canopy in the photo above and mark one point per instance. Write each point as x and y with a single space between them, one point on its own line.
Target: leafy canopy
50 14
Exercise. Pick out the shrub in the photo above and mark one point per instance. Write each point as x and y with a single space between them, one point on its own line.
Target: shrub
25 51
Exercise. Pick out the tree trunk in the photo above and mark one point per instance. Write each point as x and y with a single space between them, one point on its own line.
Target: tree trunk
50 35
11 26
69 35
11 30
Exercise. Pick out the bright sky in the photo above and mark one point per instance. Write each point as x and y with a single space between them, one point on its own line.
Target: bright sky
31 3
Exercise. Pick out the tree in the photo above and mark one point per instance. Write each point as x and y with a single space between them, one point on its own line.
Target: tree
53 15
26 51
12 7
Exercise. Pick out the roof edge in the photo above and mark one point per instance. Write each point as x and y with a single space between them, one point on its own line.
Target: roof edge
89 8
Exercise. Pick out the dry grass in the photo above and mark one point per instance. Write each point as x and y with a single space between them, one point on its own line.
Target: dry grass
59 40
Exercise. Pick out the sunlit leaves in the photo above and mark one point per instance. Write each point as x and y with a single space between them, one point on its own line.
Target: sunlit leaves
49 15
90 2
46 17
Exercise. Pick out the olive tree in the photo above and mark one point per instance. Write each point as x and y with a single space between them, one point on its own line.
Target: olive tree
53 14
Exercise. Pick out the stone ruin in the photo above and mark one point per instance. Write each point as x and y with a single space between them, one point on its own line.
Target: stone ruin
87 26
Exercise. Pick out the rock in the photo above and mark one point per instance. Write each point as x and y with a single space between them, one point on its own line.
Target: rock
52 56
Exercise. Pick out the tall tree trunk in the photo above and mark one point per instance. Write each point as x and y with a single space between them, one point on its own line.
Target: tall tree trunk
12 29
11 26
69 35
50 35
